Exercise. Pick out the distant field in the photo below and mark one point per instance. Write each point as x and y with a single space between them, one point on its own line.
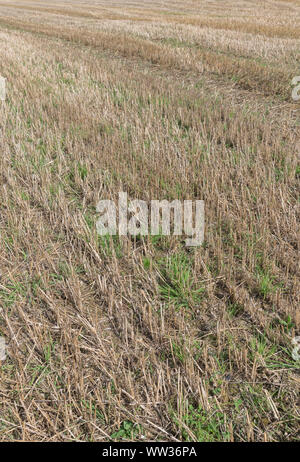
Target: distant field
146 339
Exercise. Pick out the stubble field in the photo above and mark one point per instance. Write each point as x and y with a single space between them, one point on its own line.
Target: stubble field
146 339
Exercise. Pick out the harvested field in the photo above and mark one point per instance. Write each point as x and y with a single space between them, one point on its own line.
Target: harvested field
141 338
